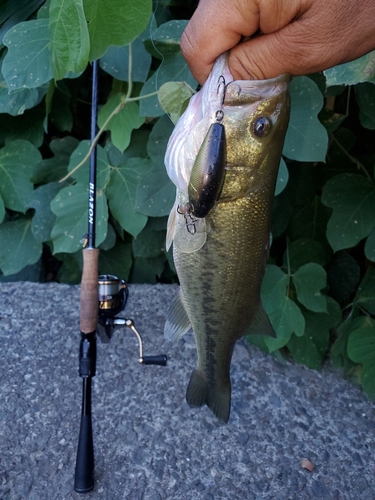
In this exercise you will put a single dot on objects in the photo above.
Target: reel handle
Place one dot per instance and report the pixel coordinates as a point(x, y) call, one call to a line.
point(160, 360)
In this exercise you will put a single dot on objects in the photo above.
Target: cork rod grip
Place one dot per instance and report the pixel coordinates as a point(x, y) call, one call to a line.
point(89, 291)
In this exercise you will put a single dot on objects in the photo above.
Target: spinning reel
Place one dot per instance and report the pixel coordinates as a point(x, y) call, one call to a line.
point(113, 295)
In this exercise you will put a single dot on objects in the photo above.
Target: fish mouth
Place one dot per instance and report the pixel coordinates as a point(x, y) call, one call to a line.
point(247, 91)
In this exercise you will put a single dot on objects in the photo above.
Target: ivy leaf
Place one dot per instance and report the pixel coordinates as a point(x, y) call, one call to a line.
point(55, 168)
point(71, 208)
point(122, 123)
point(28, 127)
point(173, 97)
point(306, 138)
point(158, 140)
point(303, 251)
point(352, 197)
point(118, 261)
point(116, 62)
point(15, 103)
point(2, 209)
point(312, 347)
point(173, 67)
point(309, 279)
point(365, 94)
point(17, 162)
point(370, 246)
point(115, 23)
point(360, 70)
point(121, 191)
point(82, 174)
point(44, 219)
point(282, 177)
point(21, 248)
point(273, 288)
point(361, 349)
point(365, 294)
point(27, 63)
point(165, 39)
point(149, 244)
point(155, 194)
point(70, 43)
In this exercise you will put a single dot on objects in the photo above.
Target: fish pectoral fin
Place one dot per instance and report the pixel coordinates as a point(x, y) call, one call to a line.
point(177, 323)
point(216, 397)
point(261, 324)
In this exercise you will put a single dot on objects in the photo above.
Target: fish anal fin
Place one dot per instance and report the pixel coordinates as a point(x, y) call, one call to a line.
point(177, 323)
point(261, 324)
point(216, 397)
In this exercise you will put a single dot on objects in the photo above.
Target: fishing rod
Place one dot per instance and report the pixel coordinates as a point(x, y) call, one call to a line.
point(102, 298)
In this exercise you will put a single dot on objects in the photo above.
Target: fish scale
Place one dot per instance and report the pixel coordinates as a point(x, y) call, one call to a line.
point(220, 282)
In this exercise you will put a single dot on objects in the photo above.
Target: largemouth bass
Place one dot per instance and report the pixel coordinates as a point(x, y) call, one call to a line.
point(220, 259)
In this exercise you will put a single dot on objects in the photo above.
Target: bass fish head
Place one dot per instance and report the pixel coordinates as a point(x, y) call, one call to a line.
point(256, 116)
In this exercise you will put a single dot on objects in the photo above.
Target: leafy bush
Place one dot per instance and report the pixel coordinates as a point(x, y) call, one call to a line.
point(319, 286)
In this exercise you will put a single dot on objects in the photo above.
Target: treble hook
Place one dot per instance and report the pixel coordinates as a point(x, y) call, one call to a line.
point(219, 115)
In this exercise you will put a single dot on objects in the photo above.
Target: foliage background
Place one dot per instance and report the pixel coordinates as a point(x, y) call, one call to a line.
point(319, 286)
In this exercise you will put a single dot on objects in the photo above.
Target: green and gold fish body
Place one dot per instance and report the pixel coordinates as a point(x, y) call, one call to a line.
point(220, 282)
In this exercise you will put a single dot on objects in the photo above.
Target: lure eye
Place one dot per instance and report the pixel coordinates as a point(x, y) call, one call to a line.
point(261, 126)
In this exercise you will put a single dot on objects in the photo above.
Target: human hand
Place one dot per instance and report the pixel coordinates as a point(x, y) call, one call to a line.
point(296, 36)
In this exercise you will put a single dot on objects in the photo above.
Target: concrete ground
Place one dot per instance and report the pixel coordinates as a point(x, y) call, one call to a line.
point(148, 443)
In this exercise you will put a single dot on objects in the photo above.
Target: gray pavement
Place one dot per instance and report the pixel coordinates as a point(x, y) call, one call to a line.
point(148, 443)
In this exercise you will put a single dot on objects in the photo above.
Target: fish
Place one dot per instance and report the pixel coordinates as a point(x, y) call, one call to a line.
point(221, 264)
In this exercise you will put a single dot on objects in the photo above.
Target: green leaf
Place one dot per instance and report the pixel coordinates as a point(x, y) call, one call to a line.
point(309, 221)
point(71, 269)
point(158, 140)
point(145, 270)
point(273, 288)
point(82, 174)
point(71, 208)
point(70, 43)
point(149, 244)
point(123, 122)
point(352, 197)
point(361, 349)
point(27, 63)
point(60, 114)
point(116, 62)
point(117, 261)
point(55, 168)
point(28, 127)
point(306, 138)
point(165, 39)
point(312, 347)
point(136, 148)
point(360, 70)
point(44, 219)
point(19, 248)
point(343, 276)
point(2, 209)
point(172, 97)
point(15, 103)
point(339, 351)
point(365, 294)
point(17, 162)
point(370, 246)
point(115, 23)
point(365, 94)
point(282, 177)
point(172, 69)
point(15, 11)
point(309, 280)
point(303, 251)
point(121, 192)
point(286, 320)
point(155, 194)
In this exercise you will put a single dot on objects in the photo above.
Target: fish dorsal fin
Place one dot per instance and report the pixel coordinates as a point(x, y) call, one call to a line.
point(261, 324)
point(177, 323)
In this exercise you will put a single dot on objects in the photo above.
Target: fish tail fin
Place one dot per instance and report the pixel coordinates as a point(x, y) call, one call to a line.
point(216, 397)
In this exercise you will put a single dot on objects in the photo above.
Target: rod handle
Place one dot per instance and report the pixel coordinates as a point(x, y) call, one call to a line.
point(84, 473)
point(160, 360)
point(89, 302)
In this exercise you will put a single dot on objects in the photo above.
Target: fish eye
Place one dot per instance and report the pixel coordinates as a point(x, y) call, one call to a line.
point(262, 126)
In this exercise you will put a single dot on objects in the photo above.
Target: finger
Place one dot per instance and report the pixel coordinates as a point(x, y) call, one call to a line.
point(209, 33)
